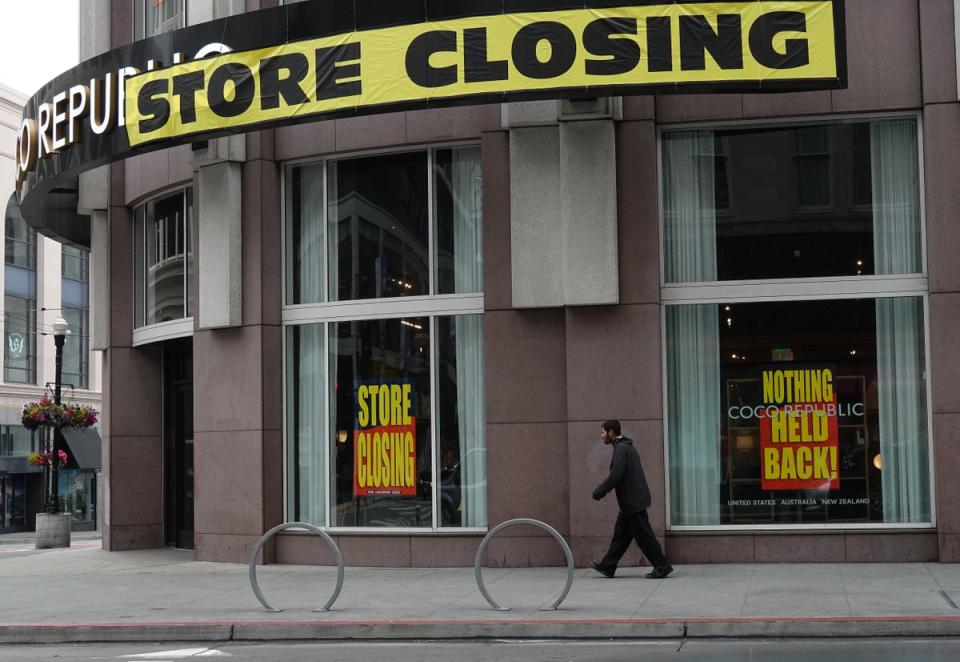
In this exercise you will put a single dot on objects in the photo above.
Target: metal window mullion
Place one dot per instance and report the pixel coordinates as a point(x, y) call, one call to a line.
point(328, 410)
point(434, 422)
point(324, 235)
point(328, 482)
point(183, 230)
point(431, 219)
point(143, 260)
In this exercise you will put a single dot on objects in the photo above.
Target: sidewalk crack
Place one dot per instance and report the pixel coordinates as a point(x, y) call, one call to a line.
point(943, 591)
point(843, 585)
point(746, 593)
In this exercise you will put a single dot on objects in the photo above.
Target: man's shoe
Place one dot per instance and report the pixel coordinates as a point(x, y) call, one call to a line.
point(603, 571)
point(659, 573)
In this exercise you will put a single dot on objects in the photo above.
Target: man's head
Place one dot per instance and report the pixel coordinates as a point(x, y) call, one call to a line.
point(609, 431)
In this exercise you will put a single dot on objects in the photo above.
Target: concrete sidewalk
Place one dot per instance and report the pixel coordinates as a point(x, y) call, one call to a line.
point(86, 594)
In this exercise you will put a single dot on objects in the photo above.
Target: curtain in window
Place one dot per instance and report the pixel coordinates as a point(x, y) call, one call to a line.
point(690, 218)
point(901, 387)
point(309, 241)
point(310, 425)
point(693, 413)
point(896, 196)
point(466, 187)
point(693, 344)
point(468, 276)
point(470, 416)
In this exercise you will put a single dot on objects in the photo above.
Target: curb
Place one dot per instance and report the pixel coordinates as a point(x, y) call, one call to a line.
point(215, 631)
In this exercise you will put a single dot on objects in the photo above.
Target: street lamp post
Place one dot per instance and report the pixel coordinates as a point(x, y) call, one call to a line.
point(60, 332)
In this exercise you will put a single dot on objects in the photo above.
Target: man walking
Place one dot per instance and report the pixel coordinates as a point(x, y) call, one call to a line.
point(633, 496)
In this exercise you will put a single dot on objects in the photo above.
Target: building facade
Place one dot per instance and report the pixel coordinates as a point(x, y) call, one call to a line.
point(406, 328)
point(41, 281)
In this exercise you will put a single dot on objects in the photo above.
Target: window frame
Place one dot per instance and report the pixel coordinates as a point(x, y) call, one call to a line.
point(140, 31)
point(81, 335)
point(32, 243)
point(171, 329)
point(666, 288)
point(795, 289)
point(329, 313)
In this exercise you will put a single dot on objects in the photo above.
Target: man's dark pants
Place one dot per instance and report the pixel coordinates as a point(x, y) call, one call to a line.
point(633, 526)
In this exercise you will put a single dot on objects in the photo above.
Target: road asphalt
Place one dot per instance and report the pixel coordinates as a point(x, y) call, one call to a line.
point(85, 594)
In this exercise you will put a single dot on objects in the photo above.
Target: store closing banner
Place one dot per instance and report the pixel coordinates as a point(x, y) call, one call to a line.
point(312, 60)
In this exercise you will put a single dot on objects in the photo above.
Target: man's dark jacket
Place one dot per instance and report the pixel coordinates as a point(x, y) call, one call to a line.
point(626, 477)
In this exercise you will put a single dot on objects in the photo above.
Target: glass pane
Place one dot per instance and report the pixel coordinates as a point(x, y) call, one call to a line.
point(838, 199)
point(163, 16)
point(77, 490)
point(802, 412)
point(380, 423)
point(458, 191)
point(20, 247)
point(165, 276)
point(20, 340)
point(75, 263)
point(17, 441)
point(306, 423)
point(813, 181)
point(76, 347)
point(304, 235)
point(378, 227)
point(462, 454)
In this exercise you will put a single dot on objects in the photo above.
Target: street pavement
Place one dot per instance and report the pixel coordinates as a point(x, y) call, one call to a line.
point(86, 594)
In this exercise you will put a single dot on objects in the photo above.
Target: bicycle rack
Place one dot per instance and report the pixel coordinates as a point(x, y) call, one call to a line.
point(534, 522)
point(295, 525)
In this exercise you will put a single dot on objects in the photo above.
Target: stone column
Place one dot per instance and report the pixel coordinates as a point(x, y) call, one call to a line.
point(238, 440)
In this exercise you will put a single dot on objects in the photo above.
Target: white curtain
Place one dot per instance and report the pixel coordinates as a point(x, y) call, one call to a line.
point(896, 196)
point(311, 423)
point(690, 217)
point(901, 387)
point(471, 419)
point(309, 245)
point(466, 187)
point(693, 413)
point(693, 343)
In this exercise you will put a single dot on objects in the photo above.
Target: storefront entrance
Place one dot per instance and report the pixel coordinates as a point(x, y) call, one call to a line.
point(178, 442)
point(12, 503)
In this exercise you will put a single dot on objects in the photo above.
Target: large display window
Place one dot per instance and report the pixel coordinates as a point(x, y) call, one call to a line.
point(795, 325)
point(384, 343)
point(798, 412)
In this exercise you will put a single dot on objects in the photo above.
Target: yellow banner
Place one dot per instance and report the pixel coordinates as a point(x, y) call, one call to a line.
point(686, 46)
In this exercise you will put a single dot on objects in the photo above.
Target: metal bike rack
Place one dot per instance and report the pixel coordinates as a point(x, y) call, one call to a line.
point(534, 522)
point(294, 525)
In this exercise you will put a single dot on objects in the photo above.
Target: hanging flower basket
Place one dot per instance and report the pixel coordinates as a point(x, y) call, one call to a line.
point(45, 459)
point(46, 413)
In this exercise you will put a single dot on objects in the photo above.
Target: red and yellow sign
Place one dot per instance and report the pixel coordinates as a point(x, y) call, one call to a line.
point(384, 441)
point(799, 432)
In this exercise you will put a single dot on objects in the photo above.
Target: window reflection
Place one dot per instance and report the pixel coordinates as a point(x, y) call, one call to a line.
point(379, 237)
point(772, 202)
point(163, 259)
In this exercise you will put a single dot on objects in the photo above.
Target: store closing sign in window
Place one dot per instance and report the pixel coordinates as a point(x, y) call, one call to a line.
point(385, 440)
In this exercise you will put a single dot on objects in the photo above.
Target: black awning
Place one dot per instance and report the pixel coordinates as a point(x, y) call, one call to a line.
point(84, 447)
